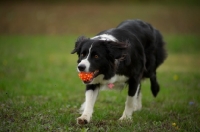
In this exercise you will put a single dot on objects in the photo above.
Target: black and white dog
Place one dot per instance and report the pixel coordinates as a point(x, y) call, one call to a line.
point(119, 56)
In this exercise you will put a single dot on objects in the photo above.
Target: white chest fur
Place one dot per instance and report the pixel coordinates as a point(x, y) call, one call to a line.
point(118, 81)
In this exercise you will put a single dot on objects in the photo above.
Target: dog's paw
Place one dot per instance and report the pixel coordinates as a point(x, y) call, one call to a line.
point(82, 121)
point(125, 117)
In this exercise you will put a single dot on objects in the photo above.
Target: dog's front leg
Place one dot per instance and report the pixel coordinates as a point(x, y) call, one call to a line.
point(90, 98)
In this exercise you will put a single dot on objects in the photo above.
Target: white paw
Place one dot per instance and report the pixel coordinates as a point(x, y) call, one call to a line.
point(83, 120)
point(125, 117)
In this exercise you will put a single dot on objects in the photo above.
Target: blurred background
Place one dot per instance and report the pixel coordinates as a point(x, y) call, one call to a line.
point(67, 17)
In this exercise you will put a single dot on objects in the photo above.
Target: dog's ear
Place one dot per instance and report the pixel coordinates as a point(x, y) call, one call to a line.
point(119, 50)
point(78, 44)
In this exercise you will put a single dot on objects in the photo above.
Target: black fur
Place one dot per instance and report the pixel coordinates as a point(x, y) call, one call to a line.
point(136, 55)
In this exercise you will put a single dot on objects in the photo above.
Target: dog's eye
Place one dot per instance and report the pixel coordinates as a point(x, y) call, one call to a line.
point(96, 56)
point(82, 55)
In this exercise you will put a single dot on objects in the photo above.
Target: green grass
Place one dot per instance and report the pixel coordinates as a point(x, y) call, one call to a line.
point(40, 89)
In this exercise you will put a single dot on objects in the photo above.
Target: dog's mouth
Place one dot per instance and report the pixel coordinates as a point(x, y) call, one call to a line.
point(89, 76)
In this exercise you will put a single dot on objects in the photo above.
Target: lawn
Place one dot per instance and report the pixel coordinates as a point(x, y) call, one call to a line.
point(40, 89)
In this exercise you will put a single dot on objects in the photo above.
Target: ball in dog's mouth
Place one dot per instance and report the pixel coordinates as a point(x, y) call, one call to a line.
point(87, 77)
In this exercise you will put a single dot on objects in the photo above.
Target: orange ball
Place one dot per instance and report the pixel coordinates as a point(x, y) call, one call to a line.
point(86, 76)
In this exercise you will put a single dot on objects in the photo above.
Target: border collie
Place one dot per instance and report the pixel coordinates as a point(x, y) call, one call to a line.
point(117, 57)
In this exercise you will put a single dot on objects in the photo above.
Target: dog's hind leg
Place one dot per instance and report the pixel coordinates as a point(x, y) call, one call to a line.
point(133, 103)
point(154, 85)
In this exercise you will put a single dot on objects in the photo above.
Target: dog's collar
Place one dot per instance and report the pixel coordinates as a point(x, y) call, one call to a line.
point(106, 37)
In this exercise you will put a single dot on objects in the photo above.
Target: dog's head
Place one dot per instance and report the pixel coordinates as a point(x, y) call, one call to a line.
point(100, 56)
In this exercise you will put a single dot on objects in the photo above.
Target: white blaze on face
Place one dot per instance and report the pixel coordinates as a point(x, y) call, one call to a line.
point(86, 61)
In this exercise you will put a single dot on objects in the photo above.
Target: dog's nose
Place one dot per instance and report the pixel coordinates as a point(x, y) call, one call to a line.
point(81, 67)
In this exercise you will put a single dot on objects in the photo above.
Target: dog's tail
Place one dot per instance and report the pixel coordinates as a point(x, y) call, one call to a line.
point(155, 88)
point(160, 56)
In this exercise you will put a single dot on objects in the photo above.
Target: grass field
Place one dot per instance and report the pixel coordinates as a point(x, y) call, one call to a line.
point(40, 89)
